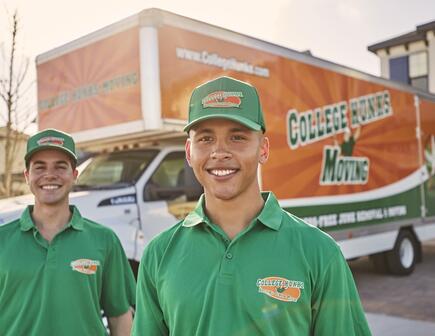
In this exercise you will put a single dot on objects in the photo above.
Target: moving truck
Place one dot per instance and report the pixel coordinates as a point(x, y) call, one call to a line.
point(351, 153)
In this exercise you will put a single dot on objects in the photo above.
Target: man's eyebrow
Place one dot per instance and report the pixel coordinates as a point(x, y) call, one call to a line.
point(240, 129)
point(62, 162)
point(43, 162)
point(203, 130)
point(232, 130)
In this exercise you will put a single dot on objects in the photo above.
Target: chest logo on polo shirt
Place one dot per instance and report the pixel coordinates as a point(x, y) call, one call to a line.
point(85, 266)
point(280, 288)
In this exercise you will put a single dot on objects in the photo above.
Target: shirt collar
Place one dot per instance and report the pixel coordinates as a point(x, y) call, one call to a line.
point(197, 215)
point(270, 215)
point(26, 221)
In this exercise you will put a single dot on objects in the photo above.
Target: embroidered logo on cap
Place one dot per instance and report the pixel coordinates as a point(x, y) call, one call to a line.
point(280, 288)
point(85, 266)
point(51, 141)
point(222, 99)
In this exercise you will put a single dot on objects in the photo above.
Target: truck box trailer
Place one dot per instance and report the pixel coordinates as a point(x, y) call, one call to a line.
point(351, 153)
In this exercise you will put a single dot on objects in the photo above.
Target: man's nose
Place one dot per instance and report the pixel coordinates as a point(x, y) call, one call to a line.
point(50, 172)
point(220, 152)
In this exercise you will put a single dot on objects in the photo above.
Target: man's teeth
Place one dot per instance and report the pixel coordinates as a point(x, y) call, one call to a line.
point(222, 172)
point(50, 187)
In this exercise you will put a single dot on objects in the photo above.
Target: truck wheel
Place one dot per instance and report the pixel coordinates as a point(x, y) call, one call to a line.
point(402, 258)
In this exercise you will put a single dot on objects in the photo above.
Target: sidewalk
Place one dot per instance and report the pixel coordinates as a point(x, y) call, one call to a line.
point(384, 325)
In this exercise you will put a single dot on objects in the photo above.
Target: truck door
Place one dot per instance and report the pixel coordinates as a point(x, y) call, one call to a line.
point(168, 196)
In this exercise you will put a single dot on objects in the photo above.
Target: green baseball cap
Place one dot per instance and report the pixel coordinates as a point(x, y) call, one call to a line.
point(51, 138)
point(227, 98)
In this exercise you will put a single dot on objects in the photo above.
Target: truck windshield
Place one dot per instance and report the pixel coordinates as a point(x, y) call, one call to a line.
point(114, 170)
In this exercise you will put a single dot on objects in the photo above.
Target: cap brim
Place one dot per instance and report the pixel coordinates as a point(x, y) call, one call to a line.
point(246, 122)
point(40, 148)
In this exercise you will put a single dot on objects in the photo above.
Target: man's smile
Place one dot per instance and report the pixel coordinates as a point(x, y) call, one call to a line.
point(50, 187)
point(222, 172)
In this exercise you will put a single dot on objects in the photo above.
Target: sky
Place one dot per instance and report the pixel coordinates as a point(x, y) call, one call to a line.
point(336, 30)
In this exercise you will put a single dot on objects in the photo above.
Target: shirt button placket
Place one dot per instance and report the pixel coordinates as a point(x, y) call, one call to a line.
point(51, 255)
point(228, 262)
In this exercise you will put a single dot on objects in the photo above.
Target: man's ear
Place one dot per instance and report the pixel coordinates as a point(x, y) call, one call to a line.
point(187, 149)
point(264, 149)
point(75, 173)
point(26, 175)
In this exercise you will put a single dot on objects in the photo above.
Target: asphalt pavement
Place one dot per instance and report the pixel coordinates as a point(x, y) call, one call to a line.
point(399, 305)
point(384, 325)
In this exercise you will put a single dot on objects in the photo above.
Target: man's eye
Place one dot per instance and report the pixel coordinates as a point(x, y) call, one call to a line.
point(239, 137)
point(205, 139)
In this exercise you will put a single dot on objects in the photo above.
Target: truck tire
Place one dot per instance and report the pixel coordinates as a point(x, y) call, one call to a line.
point(402, 258)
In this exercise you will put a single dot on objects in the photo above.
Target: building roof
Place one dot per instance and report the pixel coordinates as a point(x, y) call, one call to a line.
point(418, 35)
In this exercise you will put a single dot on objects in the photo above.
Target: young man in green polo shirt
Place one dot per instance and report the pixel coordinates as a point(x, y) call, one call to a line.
point(58, 270)
point(239, 264)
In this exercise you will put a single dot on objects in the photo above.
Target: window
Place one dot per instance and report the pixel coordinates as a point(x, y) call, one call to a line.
point(399, 69)
point(167, 182)
point(418, 65)
point(116, 169)
point(170, 172)
point(411, 69)
point(418, 70)
point(420, 82)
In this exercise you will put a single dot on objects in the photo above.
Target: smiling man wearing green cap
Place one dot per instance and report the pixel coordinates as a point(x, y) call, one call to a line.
point(58, 270)
point(239, 264)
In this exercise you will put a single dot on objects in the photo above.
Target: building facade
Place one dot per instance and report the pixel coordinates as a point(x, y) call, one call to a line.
point(18, 183)
point(409, 58)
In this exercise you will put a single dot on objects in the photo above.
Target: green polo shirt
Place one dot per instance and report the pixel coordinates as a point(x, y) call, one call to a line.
point(279, 276)
point(60, 288)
